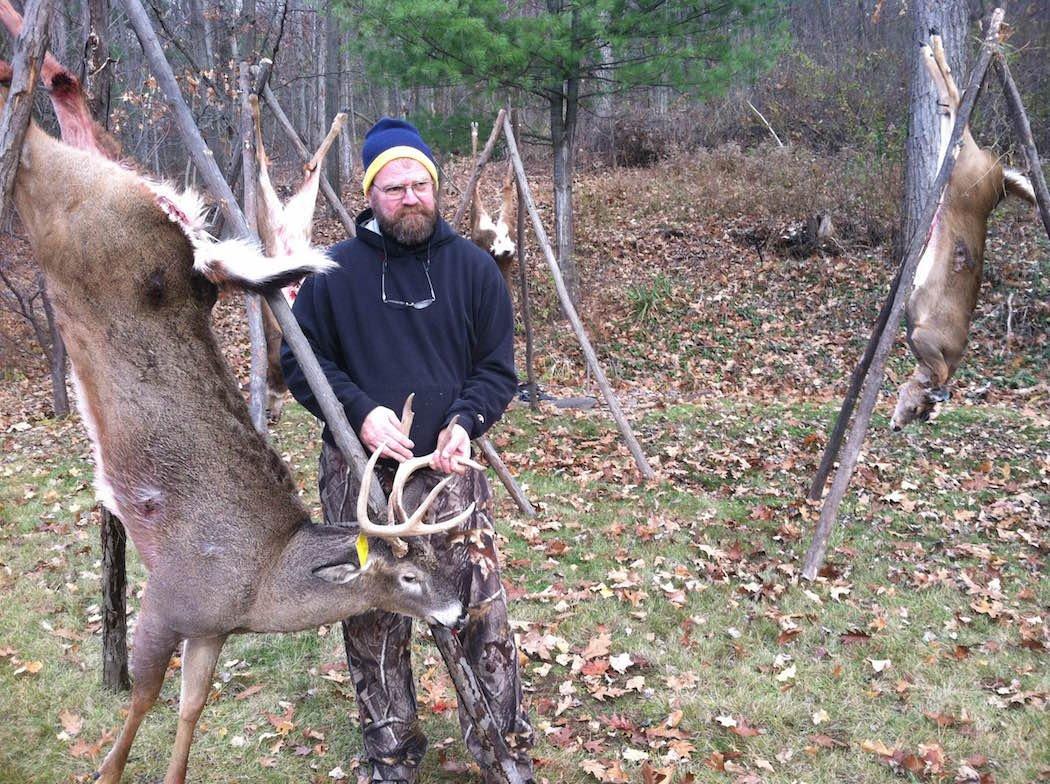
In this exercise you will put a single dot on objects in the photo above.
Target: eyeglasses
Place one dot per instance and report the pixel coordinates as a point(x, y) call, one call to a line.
point(423, 303)
point(398, 192)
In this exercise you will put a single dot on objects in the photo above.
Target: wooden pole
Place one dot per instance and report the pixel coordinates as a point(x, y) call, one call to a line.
point(479, 164)
point(463, 676)
point(496, 463)
point(523, 282)
point(818, 547)
point(334, 200)
point(15, 118)
point(252, 302)
point(570, 311)
point(831, 451)
point(1023, 129)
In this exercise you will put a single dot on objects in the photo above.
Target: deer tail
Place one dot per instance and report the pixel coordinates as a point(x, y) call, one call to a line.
point(242, 264)
point(234, 262)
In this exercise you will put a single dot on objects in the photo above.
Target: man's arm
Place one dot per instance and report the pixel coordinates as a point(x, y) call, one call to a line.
point(492, 381)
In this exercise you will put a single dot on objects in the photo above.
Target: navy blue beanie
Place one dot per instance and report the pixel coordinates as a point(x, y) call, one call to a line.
point(389, 139)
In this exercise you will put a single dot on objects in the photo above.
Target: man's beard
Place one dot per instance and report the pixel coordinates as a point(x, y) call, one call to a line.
point(411, 226)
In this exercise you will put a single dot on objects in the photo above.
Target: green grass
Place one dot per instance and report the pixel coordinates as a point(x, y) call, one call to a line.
point(694, 576)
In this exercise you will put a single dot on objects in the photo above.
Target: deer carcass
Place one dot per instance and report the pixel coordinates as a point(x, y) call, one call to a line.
point(948, 277)
point(210, 507)
point(495, 236)
point(285, 230)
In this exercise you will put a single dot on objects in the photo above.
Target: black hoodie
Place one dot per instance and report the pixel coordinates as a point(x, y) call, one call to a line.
point(456, 355)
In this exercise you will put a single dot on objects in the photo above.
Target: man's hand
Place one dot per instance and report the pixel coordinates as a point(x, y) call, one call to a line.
point(381, 425)
point(453, 445)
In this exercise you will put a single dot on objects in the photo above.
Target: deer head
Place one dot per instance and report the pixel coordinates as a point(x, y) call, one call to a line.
point(948, 276)
point(916, 400)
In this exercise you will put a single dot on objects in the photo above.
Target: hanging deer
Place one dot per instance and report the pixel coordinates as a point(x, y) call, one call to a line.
point(210, 507)
point(285, 229)
point(948, 277)
point(495, 236)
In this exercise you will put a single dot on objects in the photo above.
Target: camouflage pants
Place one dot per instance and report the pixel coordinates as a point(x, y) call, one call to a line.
point(377, 643)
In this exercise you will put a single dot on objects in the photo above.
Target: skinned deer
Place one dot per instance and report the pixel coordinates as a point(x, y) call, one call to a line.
point(495, 236)
point(285, 230)
point(210, 507)
point(948, 277)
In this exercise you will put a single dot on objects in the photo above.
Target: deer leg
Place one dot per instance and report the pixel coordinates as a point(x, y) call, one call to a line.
point(337, 125)
point(198, 665)
point(276, 389)
point(151, 652)
point(937, 44)
point(299, 210)
point(947, 95)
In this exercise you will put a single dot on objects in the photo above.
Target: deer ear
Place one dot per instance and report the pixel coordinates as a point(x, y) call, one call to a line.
point(338, 573)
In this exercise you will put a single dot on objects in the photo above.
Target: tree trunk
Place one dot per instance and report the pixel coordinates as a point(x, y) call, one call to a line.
point(563, 128)
point(57, 360)
point(114, 604)
point(98, 75)
point(950, 19)
point(249, 28)
point(348, 138)
point(318, 131)
point(332, 97)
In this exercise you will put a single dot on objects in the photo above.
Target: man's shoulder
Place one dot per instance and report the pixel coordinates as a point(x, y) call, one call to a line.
point(347, 250)
point(477, 260)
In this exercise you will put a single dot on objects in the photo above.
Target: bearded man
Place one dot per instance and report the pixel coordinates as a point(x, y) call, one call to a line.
point(415, 308)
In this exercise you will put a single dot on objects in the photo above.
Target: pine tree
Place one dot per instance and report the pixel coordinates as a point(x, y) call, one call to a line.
point(567, 53)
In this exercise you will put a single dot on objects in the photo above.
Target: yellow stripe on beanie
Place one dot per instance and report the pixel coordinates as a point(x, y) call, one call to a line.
point(403, 151)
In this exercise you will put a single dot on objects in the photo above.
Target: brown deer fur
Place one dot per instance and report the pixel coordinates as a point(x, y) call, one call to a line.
point(210, 507)
point(948, 277)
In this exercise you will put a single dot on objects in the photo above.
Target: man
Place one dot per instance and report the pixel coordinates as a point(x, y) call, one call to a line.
point(415, 308)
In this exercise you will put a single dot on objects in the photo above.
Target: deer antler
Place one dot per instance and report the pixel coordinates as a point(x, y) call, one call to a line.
point(413, 526)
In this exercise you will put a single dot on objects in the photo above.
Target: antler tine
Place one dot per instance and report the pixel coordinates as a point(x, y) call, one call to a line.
point(394, 506)
point(413, 526)
point(404, 471)
point(366, 487)
point(409, 467)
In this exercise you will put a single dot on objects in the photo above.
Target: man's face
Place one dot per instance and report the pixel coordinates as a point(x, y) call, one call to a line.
point(408, 214)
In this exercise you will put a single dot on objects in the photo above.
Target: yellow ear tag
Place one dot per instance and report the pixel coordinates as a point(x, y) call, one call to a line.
point(362, 550)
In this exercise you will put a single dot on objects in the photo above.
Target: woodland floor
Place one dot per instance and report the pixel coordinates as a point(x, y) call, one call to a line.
point(665, 631)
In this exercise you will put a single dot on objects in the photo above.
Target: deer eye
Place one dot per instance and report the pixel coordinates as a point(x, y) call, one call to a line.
point(408, 578)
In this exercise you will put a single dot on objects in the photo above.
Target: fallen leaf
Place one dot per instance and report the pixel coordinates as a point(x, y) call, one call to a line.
point(621, 662)
point(71, 722)
point(876, 747)
point(31, 667)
